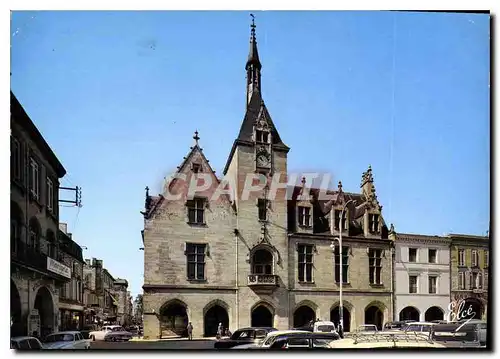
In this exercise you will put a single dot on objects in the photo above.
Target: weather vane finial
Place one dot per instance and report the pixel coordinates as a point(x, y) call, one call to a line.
point(253, 22)
point(196, 137)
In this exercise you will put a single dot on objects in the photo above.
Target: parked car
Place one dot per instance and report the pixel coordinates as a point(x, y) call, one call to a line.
point(287, 339)
point(324, 327)
point(251, 335)
point(367, 328)
point(459, 335)
point(65, 340)
point(26, 343)
point(314, 340)
point(397, 325)
point(419, 327)
point(101, 333)
point(117, 334)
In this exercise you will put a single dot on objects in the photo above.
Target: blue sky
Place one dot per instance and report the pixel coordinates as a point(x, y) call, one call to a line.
point(118, 96)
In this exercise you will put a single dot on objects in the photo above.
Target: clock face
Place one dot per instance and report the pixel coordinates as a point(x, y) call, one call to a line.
point(262, 160)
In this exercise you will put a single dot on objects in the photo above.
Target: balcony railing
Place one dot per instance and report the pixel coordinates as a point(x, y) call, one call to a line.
point(263, 282)
point(29, 257)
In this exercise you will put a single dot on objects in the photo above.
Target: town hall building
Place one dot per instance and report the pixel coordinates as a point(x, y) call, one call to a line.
point(261, 259)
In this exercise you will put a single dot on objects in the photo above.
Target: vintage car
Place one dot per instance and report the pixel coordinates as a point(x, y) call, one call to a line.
point(419, 327)
point(460, 335)
point(386, 340)
point(110, 333)
point(397, 325)
point(65, 340)
point(251, 335)
point(25, 343)
point(292, 339)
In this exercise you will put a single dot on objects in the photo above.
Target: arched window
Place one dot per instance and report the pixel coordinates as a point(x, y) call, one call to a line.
point(262, 262)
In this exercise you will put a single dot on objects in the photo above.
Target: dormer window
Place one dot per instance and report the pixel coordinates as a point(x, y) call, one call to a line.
point(196, 167)
point(304, 216)
point(373, 220)
point(261, 136)
point(336, 223)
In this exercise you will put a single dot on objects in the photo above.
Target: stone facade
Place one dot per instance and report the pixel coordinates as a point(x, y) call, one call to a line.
point(425, 262)
point(36, 268)
point(257, 261)
point(469, 272)
point(122, 298)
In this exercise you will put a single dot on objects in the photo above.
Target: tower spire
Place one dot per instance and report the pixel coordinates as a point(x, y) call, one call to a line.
point(253, 65)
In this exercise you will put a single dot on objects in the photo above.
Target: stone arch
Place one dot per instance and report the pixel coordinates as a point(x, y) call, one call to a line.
point(409, 313)
point(35, 233)
point(348, 314)
point(215, 312)
point(173, 317)
point(374, 314)
point(476, 305)
point(262, 261)
point(17, 325)
point(304, 313)
point(44, 303)
point(271, 249)
point(434, 313)
point(16, 226)
point(262, 314)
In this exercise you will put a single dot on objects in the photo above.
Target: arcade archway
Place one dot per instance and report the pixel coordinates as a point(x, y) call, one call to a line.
point(213, 316)
point(262, 316)
point(302, 316)
point(45, 307)
point(16, 328)
point(409, 313)
point(173, 318)
point(375, 316)
point(335, 318)
point(434, 313)
point(476, 308)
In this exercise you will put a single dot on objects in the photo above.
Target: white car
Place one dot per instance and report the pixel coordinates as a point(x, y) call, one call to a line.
point(25, 343)
point(66, 340)
point(100, 334)
point(324, 327)
point(111, 333)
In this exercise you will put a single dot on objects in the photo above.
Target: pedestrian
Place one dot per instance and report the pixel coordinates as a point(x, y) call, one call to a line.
point(190, 331)
point(220, 330)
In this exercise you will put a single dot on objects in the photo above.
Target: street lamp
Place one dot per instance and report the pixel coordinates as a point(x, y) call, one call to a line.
point(332, 246)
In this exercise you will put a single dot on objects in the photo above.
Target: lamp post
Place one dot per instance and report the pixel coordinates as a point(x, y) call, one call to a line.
point(339, 239)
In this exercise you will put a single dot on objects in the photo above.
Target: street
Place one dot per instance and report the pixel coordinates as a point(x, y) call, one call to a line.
point(196, 344)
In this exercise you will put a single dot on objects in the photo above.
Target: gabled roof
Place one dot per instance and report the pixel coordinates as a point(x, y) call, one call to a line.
point(256, 110)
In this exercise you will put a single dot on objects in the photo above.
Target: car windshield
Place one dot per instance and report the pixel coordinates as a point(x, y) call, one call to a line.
point(326, 328)
point(117, 329)
point(59, 338)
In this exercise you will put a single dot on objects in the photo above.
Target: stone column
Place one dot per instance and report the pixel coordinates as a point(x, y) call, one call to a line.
point(151, 326)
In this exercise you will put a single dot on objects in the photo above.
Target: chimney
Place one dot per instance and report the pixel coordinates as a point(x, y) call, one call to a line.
point(88, 262)
point(63, 227)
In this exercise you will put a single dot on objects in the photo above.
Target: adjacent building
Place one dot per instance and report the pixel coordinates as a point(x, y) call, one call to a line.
point(122, 297)
point(37, 268)
point(71, 304)
point(261, 260)
point(421, 277)
point(470, 262)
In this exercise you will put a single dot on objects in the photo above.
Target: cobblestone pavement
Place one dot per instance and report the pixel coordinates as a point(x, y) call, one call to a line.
point(197, 344)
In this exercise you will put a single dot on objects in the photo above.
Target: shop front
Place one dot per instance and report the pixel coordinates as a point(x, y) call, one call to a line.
point(72, 316)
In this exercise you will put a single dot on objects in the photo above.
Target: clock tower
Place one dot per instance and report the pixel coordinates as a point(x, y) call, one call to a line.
point(261, 233)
